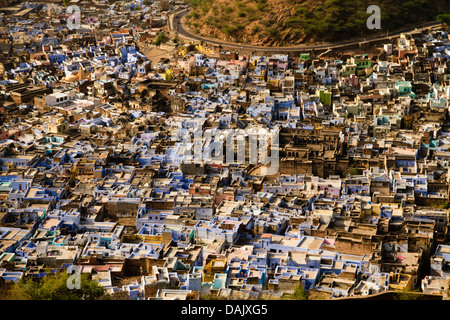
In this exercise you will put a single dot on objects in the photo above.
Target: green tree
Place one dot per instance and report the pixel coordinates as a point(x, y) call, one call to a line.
point(160, 38)
point(300, 293)
point(54, 287)
point(444, 18)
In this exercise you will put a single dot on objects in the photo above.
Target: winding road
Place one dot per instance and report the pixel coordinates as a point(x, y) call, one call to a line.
point(176, 25)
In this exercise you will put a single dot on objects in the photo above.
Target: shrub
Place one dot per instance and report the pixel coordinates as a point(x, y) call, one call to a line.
point(272, 31)
point(228, 30)
point(228, 9)
point(195, 3)
point(268, 22)
point(444, 18)
point(239, 27)
point(354, 171)
point(300, 293)
point(301, 11)
point(241, 13)
point(210, 20)
point(161, 38)
point(256, 28)
point(261, 5)
point(194, 14)
point(294, 22)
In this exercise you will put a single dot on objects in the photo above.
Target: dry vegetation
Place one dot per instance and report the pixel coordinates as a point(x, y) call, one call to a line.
point(289, 22)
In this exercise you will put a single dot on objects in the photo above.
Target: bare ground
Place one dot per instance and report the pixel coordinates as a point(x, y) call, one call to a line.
point(155, 54)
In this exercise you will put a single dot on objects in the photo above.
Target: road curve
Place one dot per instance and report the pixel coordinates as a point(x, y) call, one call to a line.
point(177, 25)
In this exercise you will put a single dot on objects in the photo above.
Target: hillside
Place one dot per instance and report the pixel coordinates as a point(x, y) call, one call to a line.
point(289, 22)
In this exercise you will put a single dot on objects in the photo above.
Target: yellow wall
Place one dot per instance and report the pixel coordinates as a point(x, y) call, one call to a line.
point(157, 239)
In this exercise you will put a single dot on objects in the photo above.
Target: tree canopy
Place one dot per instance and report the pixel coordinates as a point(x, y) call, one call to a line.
point(300, 293)
point(54, 287)
point(444, 18)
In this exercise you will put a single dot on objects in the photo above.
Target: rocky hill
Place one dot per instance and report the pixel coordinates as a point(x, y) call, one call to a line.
point(289, 22)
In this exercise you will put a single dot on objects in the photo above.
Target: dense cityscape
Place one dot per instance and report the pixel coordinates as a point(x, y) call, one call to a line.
point(115, 159)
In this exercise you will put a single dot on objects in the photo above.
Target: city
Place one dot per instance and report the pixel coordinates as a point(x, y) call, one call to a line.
point(140, 160)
